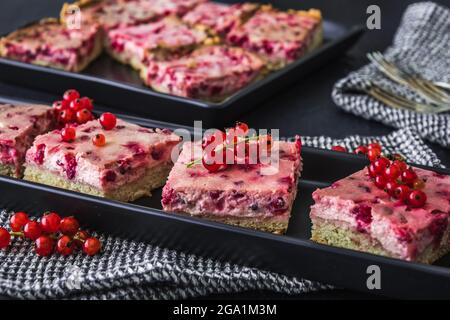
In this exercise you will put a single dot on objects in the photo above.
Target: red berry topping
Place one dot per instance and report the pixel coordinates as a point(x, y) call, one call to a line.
point(381, 164)
point(373, 154)
point(372, 170)
point(339, 149)
point(209, 163)
point(374, 146)
point(217, 138)
point(91, 246)
point(419, 184)
point(409, 176)
point(50, 222)
point(242, 127)
point(60, 105)
point(65, 246)
point(18, 221)
point(87, 103)
point(401, 165)
point(68, 134)
point(44, 246)
point(390, 187)
point(5, 238)
point(392, 172)
point(380, 182)
point(66, 116)
point(80, 237)
point(417, 198)
point(32, 230)
point(108, 121)
point(402, 192)
point(76, 105)
point(69, 226)
point(71, 95)
point(83, 116)
point(99, 140)
point(361, 150)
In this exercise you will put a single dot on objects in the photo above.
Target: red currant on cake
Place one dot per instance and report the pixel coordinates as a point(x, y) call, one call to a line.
point(18, 221)
point(44, 246)
point(91, 246)
point(373, 154)
point(242, 127)
point(50, 222)
point(390, 188)
point(381, 181)
point(66, 116)
point(69, 226)
point(76, 105)
point(402, 192)
point(361, 150)
point(5, 238)
point(32, 230)
point(209, 163)
point(99, 140)
point(392, 172)
point(108, 121)
point(417, 198)
point(65, 246)
point(381, 164)
point(374, 146)
point(409, 176)
point(83, 116)
point(68, 134)
point(339, 149)
point(60, 105)
point(87, 103)
point(71, 95)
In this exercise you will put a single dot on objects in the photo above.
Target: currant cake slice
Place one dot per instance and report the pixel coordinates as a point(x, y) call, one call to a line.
point(19, 125)
point(123, 13)
point(280, 37)
point(243, 195)
point(162, 40)
point(353, 213)
point(49, 43)
point(210, 73)
point(219, 18)
point(133, 161)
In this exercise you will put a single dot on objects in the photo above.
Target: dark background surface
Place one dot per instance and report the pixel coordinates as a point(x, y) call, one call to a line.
point(305, 108)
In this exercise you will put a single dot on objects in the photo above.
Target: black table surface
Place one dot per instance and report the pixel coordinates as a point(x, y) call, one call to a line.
point(304, 108)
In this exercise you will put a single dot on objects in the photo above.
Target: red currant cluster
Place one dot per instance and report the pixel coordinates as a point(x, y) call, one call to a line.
point(232, 144)
point(50, 229)
point(73, 109)
point(393, 175)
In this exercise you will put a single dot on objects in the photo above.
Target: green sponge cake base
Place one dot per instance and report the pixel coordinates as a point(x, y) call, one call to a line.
point(152, 179)
point(338, 235)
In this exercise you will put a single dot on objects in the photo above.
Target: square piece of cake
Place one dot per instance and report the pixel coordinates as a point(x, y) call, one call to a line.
point(162, 40)
point(133, 161)
point(210, 73)
point(50, 44)
point(279, 37)
point(19, 125)
point(353, 213)
point(219, 18)
point(241, 195)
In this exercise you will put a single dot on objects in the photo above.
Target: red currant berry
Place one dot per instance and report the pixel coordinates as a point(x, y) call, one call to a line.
point(60, 105)
point(5, 238)
point(50, 222)
point(390, 187)
point(209, 163)
point(69, 226)
point(218, 137)
point(417, 198)
point(32, 230)
point(409, 176)
point(66, 116)
point(402, 192)
point(392, 172)
point(76, 105)
point(381, 164)
point(91, 246)
point(83, 116)
point(372, 170)
point(68, 134)
point(419, 184)
point(80, 237)
point(108, 121)
point(71, 95)
point(242, 127)
point(397, 157)
point(65, 246)
point(87, 103)
point(373, 154)
point(339, 149)
point(373, 146)
point(18, 221)
point(44, 246)
point(380, 182)
point(401, 165)
point(361, 150)
point(99, 140)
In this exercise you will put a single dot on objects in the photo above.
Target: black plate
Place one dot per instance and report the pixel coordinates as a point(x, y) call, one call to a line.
point(292, 254)
point(105, 75)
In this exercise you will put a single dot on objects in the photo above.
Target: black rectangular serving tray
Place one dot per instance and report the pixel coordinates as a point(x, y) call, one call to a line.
point(291, 254)
point(106, 76)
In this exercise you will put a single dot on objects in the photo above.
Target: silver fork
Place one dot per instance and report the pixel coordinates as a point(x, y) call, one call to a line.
point(433, 92)
point(399, 102)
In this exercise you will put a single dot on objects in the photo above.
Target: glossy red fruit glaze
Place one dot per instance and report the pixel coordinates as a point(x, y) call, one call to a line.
point(381, 164)
point(390, 187)
point(66, 116)
point(87, 103)
point(5, 238)
point(417, 199)
point(409, 176)
point(65, 246)
point(60, 105)
point(373, 146)
point(380, 182)
point(242, 127)
point(373, 154)
point(91, 246)
point(361, 150)
point(44, 246)
point(80, 237)
point(402, 192)
point(32, 230)
point(401, 165)
point(372, 170)
point(83, 116)
point(68, 134)
point(18, 221)
point(69, 226)
point(50, 222)
point(99, 140)
point(108, 121)
point(71, 95)
point(392, 172)
point(209, 163)
point(76, 105)
point(339, 149)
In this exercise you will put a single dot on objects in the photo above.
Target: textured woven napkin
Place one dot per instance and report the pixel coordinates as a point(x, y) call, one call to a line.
point(132, 270)
point(421, 46)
